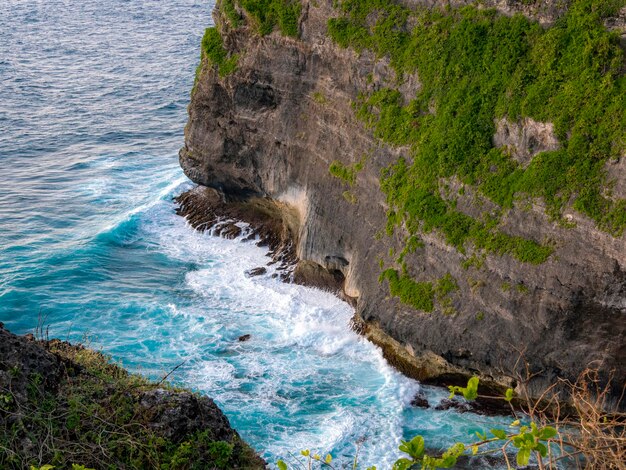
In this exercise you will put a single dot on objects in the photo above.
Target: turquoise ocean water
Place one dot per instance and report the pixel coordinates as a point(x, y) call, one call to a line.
point(93, 97)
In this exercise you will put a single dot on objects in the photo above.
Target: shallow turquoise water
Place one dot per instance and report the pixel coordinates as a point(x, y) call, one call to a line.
point(93, 103)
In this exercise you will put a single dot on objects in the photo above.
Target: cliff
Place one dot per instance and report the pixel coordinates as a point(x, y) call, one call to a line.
point(459, 172)
point(65, 405)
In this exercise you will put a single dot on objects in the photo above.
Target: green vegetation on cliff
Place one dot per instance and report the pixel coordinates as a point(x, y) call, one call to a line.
point(346, 173)
point(268, 14)
point(421, 295)
point(212, 48)
point(229, 9)
point(476, 67)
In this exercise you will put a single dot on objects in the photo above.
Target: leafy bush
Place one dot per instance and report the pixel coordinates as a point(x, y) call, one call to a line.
point(594, 437)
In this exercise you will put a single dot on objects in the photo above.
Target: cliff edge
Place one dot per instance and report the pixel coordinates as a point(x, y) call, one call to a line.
point(63, 405)
point(459, 169)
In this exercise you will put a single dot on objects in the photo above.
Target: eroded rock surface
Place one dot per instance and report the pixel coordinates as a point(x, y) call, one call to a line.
point(523, 140)
point(272, 130)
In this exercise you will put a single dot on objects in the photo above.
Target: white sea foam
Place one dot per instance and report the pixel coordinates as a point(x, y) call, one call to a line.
point(167, 191)
point(303, 379)
point(312, 381)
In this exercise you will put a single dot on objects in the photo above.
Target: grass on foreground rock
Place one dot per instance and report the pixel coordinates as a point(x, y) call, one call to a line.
point(64, 405)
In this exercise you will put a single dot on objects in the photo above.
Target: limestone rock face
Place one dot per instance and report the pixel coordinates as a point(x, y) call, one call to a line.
point(273, 128)
point(523, 140)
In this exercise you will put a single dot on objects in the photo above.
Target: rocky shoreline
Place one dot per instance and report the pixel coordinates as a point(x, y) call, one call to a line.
point(266, 225)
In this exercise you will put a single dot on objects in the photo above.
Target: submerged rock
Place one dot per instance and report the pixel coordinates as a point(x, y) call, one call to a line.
point(460, 406)
point(420, 401)
point(256, 272)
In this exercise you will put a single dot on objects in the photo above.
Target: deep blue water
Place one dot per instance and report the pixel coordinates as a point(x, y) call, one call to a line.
point(93, 97)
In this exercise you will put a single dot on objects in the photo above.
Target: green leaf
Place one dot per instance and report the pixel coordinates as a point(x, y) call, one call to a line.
point(548, 432)
point(449, 457)
point(499, 433)
point(508, 395)
point(518, 441)
point(414, 447)
point(543, 450)
point(281, 465)
point(447, 460)
point(523, 456)
point(471, 391)
point(480, 436)
point(328, 459)
point(529, 439)
point(305, 452)
point(402, 464)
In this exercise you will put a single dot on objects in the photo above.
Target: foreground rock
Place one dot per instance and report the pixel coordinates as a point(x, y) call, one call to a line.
point(264, 138)
point(62, 404)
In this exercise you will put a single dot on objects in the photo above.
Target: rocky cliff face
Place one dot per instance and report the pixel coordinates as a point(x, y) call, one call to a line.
point(274, 127)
